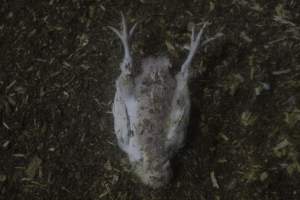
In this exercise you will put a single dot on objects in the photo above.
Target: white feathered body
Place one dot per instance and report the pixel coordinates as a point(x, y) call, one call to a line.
point(151, 113)
point(151, 109)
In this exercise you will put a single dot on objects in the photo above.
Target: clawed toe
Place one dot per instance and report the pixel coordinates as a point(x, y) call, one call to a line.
point(195, 40)
point(124, 34)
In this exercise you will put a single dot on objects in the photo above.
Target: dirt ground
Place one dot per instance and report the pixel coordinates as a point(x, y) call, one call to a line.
point(58, 64)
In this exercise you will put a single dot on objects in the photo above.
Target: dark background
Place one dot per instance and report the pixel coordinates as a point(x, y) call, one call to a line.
point(58, 64)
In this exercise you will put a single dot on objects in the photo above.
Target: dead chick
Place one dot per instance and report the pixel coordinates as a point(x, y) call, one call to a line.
point(151, 109)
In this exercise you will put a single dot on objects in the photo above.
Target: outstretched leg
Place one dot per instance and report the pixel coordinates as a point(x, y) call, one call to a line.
point(195, 43)
point(125, 36)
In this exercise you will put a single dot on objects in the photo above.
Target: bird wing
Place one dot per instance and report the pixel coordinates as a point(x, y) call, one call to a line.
point(121, 122)
point(178, 120)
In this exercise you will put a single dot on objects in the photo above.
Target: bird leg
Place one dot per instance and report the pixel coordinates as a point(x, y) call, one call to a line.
point(125, 36)
point(195, 43)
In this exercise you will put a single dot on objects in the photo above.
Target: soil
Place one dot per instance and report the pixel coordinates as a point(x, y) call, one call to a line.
point(58, 65)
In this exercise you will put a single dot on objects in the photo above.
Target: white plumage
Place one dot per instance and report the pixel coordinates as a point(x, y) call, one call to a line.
point(151, 111)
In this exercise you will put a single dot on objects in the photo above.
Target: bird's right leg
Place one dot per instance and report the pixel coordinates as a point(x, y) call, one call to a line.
point(125, 36)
